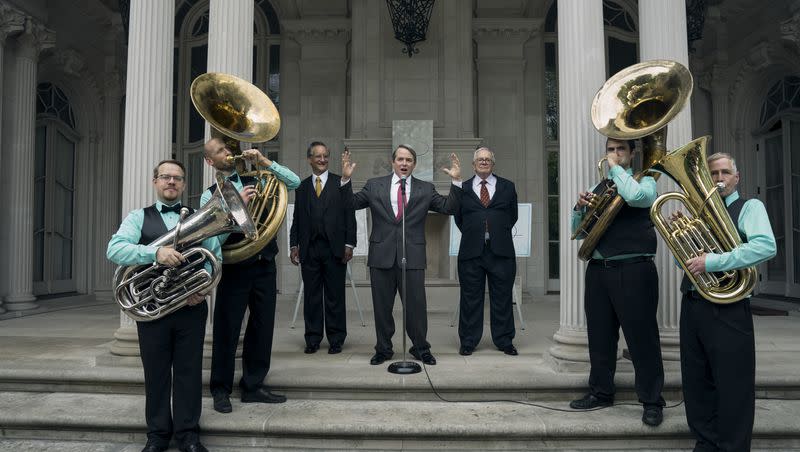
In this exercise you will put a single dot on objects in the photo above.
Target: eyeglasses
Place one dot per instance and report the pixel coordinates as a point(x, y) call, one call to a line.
point(167, 178)
point(483, 160)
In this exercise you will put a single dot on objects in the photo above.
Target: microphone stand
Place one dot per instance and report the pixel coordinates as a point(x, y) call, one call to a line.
point(404, 367)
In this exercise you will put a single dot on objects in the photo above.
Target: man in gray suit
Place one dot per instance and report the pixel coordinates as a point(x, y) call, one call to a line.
point(384, 197)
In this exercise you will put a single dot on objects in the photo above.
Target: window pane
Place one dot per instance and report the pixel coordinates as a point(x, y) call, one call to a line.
point(194, 162)
point(274, 82)
point(552, 173)
point(552, 220)
point(551, 91)
point(775, 210)
point(553, 261)
point(621, 54)
point(773, 154)
point(776, 267)
point(199, 63)
point(38, 256)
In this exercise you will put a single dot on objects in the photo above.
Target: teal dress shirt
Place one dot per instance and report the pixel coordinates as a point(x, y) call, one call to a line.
point(754, 224)
point(641, 194)
point(124, 248)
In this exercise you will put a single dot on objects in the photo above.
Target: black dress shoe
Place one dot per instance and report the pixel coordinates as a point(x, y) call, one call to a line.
point(653, 415)
point(153, 448)
point(425, 356)
point(465, 350)
point(194, 447)
point(588, 402)
point(311, 348)
point(379, 358)
point(510, 350)
point(222, 402)
point(262, 395)
point(334, 349)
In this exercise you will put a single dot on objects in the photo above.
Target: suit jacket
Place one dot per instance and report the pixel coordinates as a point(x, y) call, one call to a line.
point(339, 219)
point(501, 214)
point(385, 240)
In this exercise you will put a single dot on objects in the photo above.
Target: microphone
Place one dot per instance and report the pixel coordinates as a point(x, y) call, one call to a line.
point(403, 185)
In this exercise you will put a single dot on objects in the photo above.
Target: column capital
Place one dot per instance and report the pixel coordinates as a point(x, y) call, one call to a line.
point(790, 29)
point(12, 21)
point(505, 30)
point(35, 39)
point(317, 31)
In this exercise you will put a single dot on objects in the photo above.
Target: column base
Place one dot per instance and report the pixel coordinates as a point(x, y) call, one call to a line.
point(570, 353)
point(126, 341)
point(21, 302)
point(670, 345)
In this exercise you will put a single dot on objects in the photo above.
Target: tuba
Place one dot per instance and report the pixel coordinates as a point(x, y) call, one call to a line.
point(149, 292)
point(636, 102)
point(708, 230)
point(238, 111)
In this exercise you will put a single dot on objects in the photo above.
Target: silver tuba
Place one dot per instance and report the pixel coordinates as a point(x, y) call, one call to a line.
point(149, 292)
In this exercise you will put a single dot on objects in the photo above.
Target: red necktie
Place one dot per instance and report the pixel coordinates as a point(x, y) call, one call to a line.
point(401, 200)
point(484, 194)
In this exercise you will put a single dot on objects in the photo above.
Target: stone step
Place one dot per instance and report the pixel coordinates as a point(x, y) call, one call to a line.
point(377, 425)
point(487, 375)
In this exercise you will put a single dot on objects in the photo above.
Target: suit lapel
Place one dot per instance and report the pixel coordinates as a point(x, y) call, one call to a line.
point(385, 195)
point(497, 190)
point(416, 193)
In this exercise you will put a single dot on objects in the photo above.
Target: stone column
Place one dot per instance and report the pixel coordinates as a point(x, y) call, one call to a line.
point(11, 23)
point(581, 71)
point(662, 25)
point(230, 47)
point(19, 121)
point(148, 119)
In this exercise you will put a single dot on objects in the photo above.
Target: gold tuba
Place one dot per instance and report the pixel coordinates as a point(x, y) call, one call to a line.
point(708, 230)
point(149, 292)
point(636, 102)
point(238, 111)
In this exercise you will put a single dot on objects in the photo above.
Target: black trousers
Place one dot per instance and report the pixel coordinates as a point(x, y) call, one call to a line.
point(244, 286)
point(718, 368)
point(472, 276)
point(324, 294)
point(172, 356)
point(624, 295)
point(385, 285)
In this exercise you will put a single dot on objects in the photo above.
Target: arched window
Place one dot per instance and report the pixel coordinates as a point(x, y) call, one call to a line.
point(779, 146)
point(54, 192)
point(191, 60)
point(622, 50)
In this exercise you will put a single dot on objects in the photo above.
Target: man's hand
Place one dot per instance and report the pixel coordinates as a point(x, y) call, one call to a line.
point(613, 159)
point(455, 168)
point(248, 192)
point(348, 254)
point(295, 255)
point(584, 198)
point(697, 265)
point(254, 156)
point(195, 298)
point(169, 257)
point(347, 166)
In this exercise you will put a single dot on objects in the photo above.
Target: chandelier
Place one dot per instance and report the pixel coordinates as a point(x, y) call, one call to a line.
point(410, 20)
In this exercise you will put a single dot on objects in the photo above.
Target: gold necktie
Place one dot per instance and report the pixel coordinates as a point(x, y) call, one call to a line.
point(319, 186)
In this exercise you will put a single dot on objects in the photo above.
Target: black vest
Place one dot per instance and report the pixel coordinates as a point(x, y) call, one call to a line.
point(733, 210)
point(631, 232)
point(317, 210)
point(270, 250)
point(153, 225)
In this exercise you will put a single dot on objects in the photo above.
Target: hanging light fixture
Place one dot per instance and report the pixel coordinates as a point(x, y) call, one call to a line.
point(410, 20)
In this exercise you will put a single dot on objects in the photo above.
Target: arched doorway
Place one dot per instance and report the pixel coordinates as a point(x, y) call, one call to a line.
point(778, 143)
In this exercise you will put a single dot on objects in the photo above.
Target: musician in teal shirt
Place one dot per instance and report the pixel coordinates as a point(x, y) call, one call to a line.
point(171, 347)
point(622, 291)
point(251, 284)
point(718, 364)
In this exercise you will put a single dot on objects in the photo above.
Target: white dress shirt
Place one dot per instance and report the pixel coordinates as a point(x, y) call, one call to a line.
point(491, 185)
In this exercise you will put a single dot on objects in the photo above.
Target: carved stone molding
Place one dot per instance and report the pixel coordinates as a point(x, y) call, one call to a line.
point(35, 39)
point(12, 21)
point(506, 30)
point(70, 61)
point(790, 29)
point(317, 31)
point(761, 56)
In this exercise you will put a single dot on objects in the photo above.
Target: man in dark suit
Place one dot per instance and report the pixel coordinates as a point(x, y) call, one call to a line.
point(384, 197)
point(487, 214)
point(322, 238)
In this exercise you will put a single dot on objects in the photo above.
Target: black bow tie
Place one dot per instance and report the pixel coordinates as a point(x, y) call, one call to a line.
point(176, 208)
point(234, 177)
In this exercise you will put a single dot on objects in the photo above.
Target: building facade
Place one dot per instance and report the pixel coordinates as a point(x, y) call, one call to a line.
point(95, 92)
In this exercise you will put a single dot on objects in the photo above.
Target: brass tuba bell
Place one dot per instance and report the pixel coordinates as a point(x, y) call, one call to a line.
point(237, 111)
point(636, 102)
